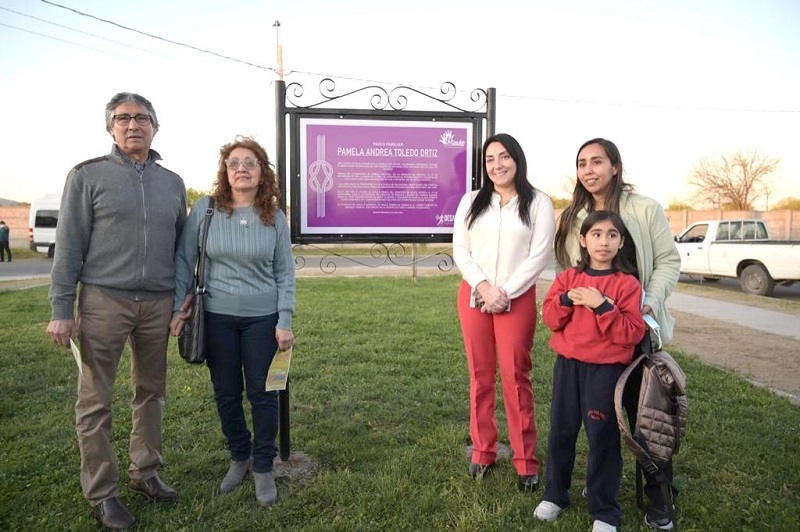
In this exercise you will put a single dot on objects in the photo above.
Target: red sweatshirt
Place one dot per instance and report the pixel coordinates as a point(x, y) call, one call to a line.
point(605, 335)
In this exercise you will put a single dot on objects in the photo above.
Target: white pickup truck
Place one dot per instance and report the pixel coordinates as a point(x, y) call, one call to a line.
point(739, 249)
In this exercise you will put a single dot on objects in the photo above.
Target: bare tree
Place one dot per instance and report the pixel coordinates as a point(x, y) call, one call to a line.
point(567, 184)
point(734, 180)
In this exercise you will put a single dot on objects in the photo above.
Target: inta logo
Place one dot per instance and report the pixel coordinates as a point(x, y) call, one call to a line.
point(449, 139)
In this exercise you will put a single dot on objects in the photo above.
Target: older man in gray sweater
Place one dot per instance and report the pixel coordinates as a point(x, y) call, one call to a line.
point(120, 220)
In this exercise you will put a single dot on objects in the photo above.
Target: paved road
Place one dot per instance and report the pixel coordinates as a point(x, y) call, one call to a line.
point(25, 269)
point(789, 293)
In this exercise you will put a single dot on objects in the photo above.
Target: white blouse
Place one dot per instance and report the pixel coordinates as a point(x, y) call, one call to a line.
point(500, 248)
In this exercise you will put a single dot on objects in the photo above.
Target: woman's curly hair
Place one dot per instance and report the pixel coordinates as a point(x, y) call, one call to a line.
point(268, 194)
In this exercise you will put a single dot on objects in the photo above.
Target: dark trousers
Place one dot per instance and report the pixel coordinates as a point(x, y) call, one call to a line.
point(240, 351)
point(584, 393)
point(5, 249)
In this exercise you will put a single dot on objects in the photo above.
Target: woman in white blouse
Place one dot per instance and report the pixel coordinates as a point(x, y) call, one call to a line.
point(502, 239)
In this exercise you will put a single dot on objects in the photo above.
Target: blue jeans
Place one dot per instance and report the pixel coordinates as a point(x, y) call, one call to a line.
point(236, 343)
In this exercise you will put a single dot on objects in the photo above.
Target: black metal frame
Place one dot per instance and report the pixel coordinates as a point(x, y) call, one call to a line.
point(384, 104)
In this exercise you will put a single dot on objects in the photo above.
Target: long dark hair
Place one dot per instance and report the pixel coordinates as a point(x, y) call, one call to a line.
point(582, 198)
point(525, 191)
point(620, 261)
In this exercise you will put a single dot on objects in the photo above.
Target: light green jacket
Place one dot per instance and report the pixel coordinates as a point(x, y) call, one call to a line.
point(657, 257)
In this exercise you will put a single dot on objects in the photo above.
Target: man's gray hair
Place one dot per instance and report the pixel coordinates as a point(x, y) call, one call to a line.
point(123, 97)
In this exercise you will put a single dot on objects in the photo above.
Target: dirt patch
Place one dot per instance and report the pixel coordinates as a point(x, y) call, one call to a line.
point(765, 359)
point(299, 465)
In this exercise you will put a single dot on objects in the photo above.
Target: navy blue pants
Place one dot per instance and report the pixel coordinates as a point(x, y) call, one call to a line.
point(584, 393)
point(239, 353)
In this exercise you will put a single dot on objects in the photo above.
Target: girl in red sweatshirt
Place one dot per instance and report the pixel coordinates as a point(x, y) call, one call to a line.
point(594, 312)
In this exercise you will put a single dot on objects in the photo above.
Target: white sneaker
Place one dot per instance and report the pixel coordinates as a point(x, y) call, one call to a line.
point(547, 511)
point(602, 526)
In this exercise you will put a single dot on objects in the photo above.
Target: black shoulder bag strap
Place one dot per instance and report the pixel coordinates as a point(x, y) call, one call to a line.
point(201, 260)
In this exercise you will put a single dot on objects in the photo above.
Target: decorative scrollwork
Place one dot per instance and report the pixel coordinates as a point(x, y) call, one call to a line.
point(379, 255)
point(380, 99)
point(398, 251)
point(294, 90)
point(327, 88)
point(478, 96)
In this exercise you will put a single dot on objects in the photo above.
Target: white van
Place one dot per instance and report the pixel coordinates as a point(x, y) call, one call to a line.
point(42, 221)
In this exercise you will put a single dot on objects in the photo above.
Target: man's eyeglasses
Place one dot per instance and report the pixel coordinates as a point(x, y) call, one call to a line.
point(233, 164)
point(124, 120)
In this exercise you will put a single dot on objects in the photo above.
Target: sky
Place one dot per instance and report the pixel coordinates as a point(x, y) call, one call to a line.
point(669, 82)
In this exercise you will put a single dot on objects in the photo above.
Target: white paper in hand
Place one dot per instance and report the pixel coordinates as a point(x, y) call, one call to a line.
point(76, 353)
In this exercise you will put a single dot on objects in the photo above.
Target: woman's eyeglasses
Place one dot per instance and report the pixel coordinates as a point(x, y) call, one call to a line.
point(233, 164)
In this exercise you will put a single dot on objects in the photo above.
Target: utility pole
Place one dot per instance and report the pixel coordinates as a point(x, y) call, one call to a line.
point(284, 428)
point(277, 25)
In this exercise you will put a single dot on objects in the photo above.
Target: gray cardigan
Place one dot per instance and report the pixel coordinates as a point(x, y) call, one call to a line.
point(118, 228)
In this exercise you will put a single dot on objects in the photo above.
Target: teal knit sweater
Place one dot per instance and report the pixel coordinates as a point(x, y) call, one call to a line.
point(249, 269)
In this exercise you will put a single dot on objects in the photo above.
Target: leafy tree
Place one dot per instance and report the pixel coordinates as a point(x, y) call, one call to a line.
point(678, 205)
point(788, 204)
point(733, 180)
point(561, 203)
point(193, 195)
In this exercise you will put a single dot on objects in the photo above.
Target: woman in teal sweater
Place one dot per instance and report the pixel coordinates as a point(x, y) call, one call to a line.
point(249, 304)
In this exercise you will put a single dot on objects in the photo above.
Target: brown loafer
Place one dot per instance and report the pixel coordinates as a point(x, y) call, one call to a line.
point(113, 515)
point(154, 489)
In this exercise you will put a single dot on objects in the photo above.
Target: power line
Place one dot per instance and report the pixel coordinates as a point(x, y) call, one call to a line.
point(78, 31)
point(521, 97)
point(158, 37)
point(651, 106)
point(62, 40)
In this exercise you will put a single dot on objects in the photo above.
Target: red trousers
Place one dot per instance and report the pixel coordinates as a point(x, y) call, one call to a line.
point(505, 339)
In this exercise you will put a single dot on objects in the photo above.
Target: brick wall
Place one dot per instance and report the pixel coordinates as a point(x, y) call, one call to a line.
point(16, 218)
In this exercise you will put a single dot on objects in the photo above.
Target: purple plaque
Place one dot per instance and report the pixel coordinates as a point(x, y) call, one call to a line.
point(365, 177)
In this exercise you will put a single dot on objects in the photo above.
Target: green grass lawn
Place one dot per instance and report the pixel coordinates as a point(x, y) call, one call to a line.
point(379, 401)
point(25, 253)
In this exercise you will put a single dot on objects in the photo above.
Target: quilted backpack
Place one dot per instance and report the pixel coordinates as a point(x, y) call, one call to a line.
point(660, 420)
